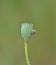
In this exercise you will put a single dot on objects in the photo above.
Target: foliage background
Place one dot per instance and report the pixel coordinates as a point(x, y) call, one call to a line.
point(42, 46)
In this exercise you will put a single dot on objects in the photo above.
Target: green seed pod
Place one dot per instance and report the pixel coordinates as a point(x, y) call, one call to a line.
point(26, 30)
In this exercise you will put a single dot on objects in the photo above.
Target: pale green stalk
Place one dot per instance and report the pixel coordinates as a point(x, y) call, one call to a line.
point(26, 53)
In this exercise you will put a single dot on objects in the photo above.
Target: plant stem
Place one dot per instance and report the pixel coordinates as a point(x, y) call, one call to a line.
point(26, 53)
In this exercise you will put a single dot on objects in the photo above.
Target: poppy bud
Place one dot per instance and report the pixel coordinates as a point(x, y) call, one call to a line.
point(27, 30)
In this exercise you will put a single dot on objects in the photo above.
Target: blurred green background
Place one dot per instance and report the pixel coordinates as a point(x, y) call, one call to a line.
point(42, 46)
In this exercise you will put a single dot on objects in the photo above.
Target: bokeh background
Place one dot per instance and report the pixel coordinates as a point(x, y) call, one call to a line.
point(42, 46)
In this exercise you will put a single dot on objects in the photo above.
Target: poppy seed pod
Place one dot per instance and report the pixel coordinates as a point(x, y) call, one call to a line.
point(26, 30)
